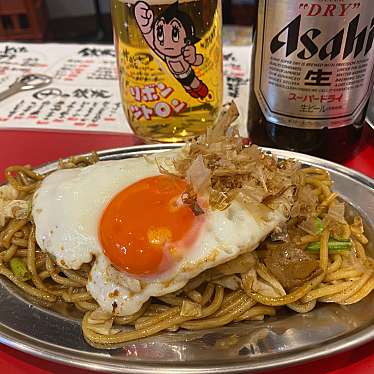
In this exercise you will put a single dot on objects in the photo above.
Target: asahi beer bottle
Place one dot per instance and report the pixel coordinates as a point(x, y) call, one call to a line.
point(313, 75)
point(169, 56)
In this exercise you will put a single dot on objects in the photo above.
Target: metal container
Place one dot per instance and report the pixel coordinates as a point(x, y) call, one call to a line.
point(280, 341)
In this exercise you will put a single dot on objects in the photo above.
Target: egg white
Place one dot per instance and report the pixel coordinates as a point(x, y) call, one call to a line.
point(67, 209)
point(69, 203)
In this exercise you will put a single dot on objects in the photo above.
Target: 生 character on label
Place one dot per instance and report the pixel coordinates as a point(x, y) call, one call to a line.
point(172, 37)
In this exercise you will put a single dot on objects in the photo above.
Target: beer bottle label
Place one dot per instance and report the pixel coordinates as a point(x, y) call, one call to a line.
point(314, 61)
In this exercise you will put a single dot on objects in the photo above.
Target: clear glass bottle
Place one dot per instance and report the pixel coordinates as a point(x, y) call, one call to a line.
point(169, 57)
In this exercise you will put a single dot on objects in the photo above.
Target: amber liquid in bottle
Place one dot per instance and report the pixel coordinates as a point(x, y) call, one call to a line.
point(333, 143)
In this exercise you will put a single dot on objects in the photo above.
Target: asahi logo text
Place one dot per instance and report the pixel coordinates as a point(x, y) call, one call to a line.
point(309, 43)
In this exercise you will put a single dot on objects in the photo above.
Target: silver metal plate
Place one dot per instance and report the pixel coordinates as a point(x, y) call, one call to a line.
point(289, 338)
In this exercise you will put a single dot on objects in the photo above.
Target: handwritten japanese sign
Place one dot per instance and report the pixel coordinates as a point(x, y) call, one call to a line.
point(84, 94)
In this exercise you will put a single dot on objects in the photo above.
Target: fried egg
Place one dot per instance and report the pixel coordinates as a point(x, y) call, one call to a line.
point(131, 222)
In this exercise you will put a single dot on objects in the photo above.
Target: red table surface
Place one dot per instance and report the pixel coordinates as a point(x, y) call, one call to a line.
point(35, 148)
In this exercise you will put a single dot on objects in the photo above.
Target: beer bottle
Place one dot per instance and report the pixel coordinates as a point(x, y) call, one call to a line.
point(312, 75)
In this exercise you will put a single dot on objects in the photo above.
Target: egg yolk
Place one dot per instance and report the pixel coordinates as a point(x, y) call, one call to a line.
point(141, 225)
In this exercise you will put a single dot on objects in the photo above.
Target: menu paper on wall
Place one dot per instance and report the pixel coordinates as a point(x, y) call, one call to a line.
point(84, 94)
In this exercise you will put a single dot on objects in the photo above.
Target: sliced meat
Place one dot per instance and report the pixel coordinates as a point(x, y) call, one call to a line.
point(291, 265)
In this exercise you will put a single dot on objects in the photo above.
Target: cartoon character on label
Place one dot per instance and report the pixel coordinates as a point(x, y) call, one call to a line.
point(172, 37)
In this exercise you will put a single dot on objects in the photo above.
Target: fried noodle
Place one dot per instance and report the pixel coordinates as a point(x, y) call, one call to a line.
point(345, 277)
